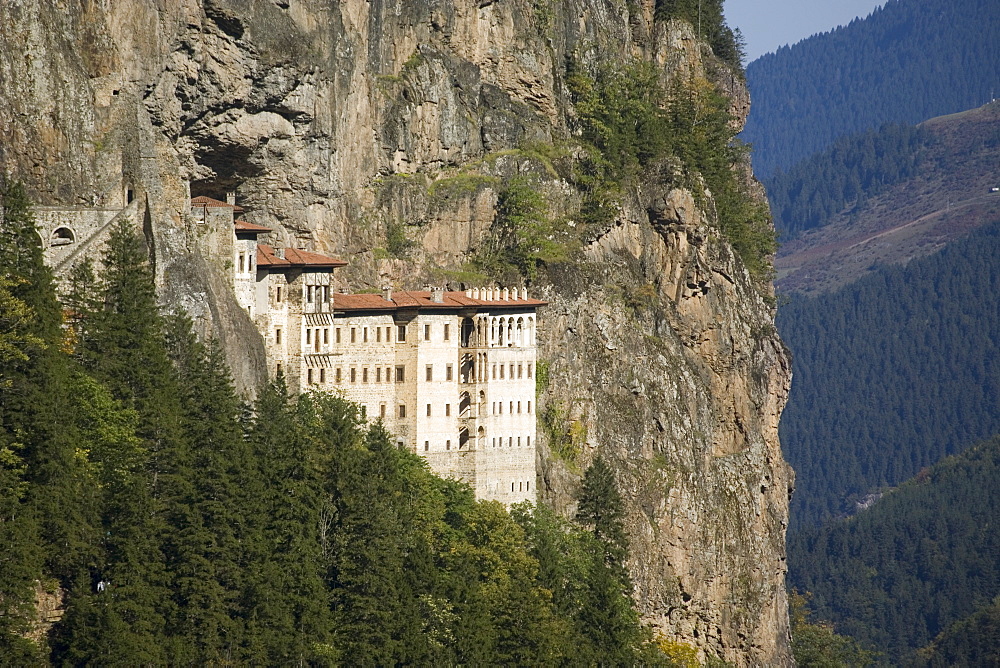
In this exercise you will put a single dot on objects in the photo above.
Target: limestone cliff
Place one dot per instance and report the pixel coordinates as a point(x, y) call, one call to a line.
point(380, 131)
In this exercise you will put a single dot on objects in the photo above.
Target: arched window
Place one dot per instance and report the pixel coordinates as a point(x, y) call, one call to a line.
point(464, 402)
point(520, 332)
point(468, 329)
point(62, 236)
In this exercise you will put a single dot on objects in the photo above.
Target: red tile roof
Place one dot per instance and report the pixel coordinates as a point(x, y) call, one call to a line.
point(421, 299)
point(294, 258)
point(211, 203)
point(243, 226)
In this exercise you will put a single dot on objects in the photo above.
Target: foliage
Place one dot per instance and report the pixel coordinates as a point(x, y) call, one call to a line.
point(920, 559)
point(892, 373)
point(709, 22)
point(566, 437)
point(522, 236)
point(816, 645)
point(896, 66)
point(397, 243)
point(634, 125)
point(973, 641)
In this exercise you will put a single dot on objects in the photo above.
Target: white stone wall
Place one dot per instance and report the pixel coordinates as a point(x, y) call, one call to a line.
point(245, 273)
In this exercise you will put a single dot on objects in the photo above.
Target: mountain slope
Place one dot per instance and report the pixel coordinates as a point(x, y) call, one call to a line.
point(938, 189)
point(908, 61)
point(892, 373)
point(924, 556)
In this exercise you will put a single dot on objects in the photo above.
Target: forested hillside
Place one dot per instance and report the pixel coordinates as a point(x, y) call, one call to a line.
point(924, 557)
point(175, 525)
point(892, 373)
point(847, 174)
point(907, 62)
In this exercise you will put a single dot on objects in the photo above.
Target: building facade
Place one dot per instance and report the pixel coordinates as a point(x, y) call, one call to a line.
point(450, 374)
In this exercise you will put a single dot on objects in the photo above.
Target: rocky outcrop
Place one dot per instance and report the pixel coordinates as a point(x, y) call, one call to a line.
point(381, 131)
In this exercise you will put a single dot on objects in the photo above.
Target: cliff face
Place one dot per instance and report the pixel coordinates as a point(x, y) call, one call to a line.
point(380, 131)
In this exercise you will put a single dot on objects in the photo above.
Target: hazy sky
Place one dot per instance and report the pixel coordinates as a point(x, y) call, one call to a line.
point(769, 24)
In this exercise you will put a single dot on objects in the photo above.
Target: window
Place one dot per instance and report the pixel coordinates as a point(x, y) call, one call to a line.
point(519, 441)
point(354, 335)
point(388, 334)
point(381, 410)
point(277, 296)
point(364, 375)
point(317, 340)
point(242, 261)
point(378, 335)
point(402, 410)
point(326, 335)
point(378, 374)
point(529, 369)
point(309, 294)
point(447, 332)
point(338, 335)
point(512, 371)
point(309, 336)
point(447, 372)
point(277, 335)
point(512, 487)
point(400, 333)
point(277, 369)
point(447, 409)
point(430, 372)
point(527, 486)
point(400, 374)
point(512, 408)
point(428, 410)
point(447, 445)
point(427, 446)
point(309, 376)
point(364, 335)
point(502, 367)
point(322, 375)
point(427, 332)
point(519, 407)
point(501, 407)
point(529, 441)
point(510, 441)
point(519, 488)
point(494, 372)
point(337, 375)
point(518, 370)
point(354, 374)
point(494, 408)
point(529, 406)
point(388, 375)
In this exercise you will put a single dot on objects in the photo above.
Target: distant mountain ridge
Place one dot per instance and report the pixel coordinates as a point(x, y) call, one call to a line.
point(926, 187)
point(908, 61)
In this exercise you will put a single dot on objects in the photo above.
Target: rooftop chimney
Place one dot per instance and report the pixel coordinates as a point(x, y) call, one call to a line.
point(387, 293)
point(506, 294)
point(437, 295)
point(279, 252)
point(231, 199)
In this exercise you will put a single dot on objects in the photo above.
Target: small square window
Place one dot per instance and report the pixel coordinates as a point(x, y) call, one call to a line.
point(447, 332)
point(388, 334)
point(430, 372)
point(388, 374)
point(378, 335)
point(447, 409)
point(427, 446)
point(337, 375)
point(338, 335)
point(322, 375)
point(364, 335)
point(447, 445)
point(400, 374)
point(502, 367)
point(518, 370)
point(277, 336)
point(378, 374)
point(402, 410)
point(354, 374)
point(448, 372)
point(277, 296)
point(400, 333)
point(354, 335)
point(529, 369)
point(364, 375)
point(427, 332)
point(381, 410)
point(309, 376)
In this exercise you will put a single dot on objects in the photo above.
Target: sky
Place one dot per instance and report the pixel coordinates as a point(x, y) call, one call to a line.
point(769, 24)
